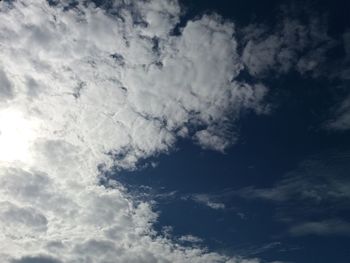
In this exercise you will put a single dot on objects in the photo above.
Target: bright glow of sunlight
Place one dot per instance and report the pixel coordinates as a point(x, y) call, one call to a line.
point(16, 136)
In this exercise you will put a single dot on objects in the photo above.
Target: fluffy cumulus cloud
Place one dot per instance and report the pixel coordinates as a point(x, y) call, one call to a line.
point(82, 90)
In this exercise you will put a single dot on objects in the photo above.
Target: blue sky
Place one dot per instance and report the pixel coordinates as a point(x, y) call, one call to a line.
point(174, 131)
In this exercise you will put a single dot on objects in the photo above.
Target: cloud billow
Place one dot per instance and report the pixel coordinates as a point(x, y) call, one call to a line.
point(98, 85)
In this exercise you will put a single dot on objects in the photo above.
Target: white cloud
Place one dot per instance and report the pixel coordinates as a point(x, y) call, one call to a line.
point(211, 141)
point(191, 239)
point(206, 200)
point(102, 86)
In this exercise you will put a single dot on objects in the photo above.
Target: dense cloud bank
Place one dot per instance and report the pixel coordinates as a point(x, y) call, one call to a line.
point(91, 89)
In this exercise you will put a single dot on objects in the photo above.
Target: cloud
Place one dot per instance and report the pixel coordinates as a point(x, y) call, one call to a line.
point(344, 69)
point(260, 249)
point(207, 200)
point(341, 121)
point(6, 91)
point(318, 188)
point(291, 45)
point(21, 217)
point(107, 89)
point(300, 42)
point(190, 239)
point(40, 259)
point(219, 136)
point(322, 228)
point(313, 181)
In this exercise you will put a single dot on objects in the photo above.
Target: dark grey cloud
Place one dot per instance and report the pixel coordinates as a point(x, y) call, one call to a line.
point(6, 87)
point(36, 259)
point(28, 216)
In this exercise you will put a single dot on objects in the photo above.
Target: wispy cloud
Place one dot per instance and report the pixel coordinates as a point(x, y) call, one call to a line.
point(190, 239)
point(341, 119)
point(207, 200)
point(318, 188)
point(322, 228)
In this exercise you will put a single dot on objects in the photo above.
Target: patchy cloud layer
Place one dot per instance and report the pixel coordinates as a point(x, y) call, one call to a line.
point(300, 42)
point(291, 44)
point(96, 89)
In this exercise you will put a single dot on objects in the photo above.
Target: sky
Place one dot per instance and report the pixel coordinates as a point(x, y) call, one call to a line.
point(174, 131)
